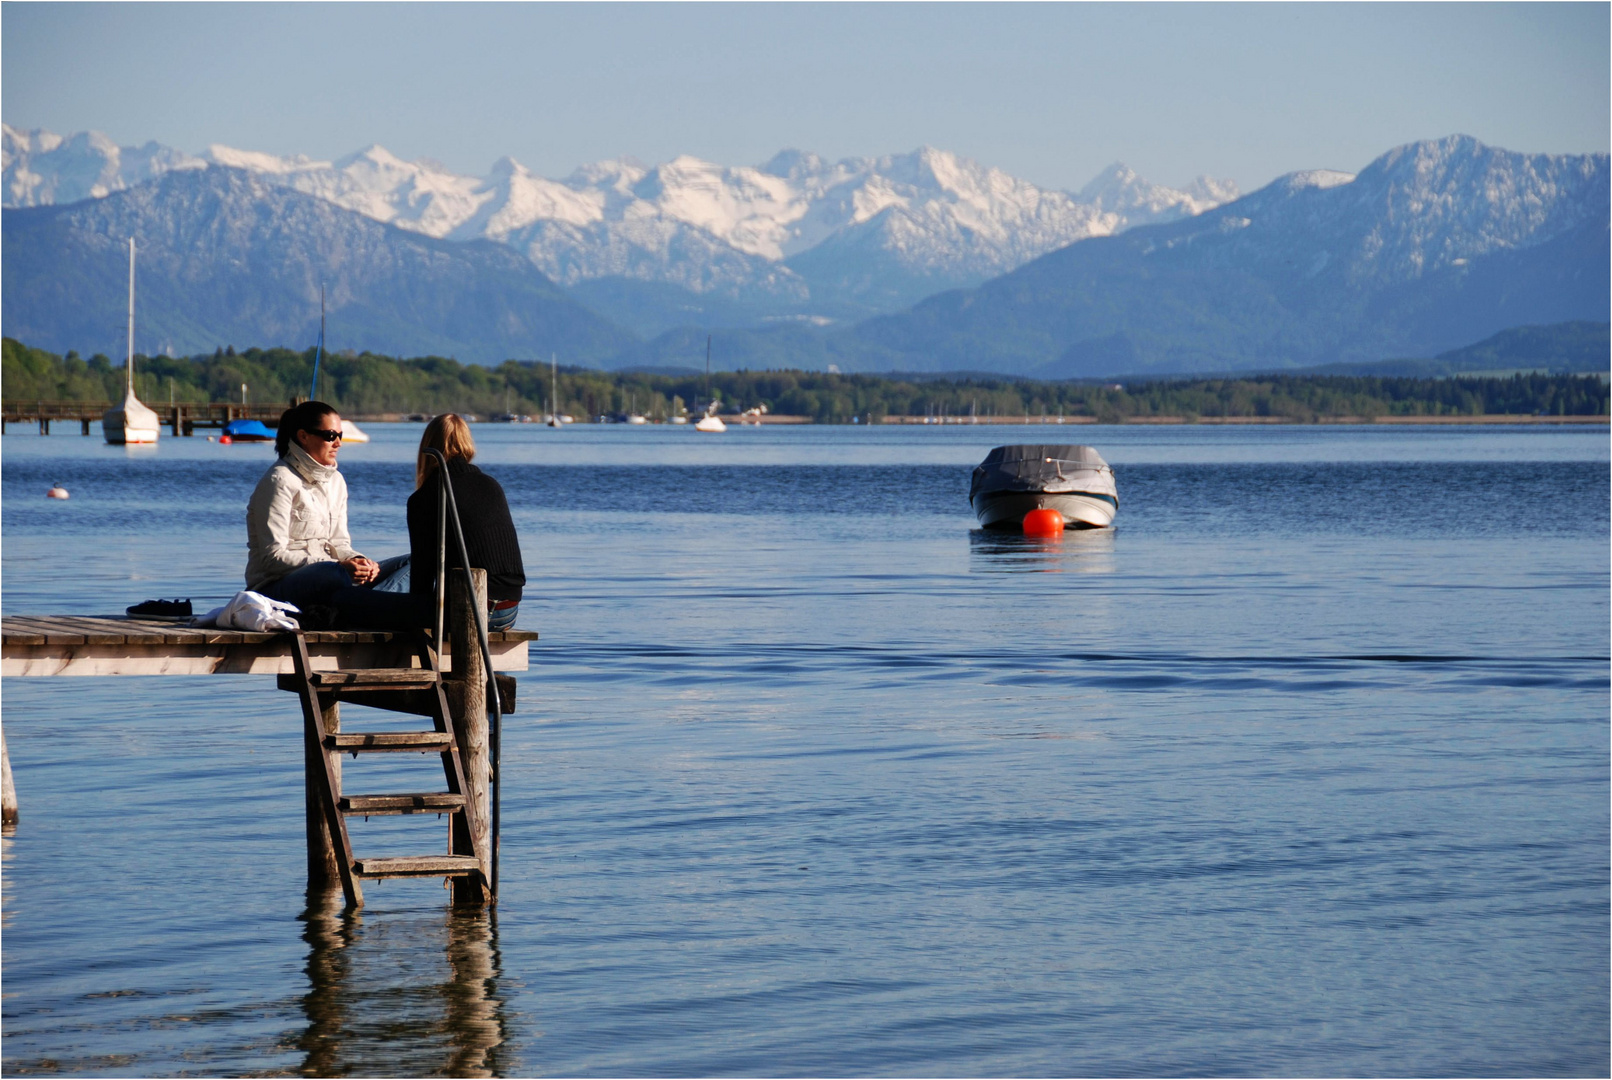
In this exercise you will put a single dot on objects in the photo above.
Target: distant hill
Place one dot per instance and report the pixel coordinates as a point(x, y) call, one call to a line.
point(225, 258)
point(1432, 245)
point(1571, 348)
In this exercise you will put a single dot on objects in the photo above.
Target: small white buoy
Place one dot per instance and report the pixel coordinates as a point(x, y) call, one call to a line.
point(56, 492)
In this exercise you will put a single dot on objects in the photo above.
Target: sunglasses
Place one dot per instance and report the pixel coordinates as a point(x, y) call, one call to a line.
point(324, 433)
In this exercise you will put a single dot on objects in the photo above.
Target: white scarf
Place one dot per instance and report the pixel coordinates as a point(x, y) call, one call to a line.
point(306, 467)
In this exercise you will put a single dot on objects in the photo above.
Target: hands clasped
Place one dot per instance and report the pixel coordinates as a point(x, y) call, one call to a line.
point(363, 571)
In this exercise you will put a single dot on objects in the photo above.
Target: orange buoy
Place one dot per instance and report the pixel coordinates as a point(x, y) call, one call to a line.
point(1043, 522)
point(56, 492)
point(224, 439)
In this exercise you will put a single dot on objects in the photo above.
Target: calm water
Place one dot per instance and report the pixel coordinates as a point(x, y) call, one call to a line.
point(1303, 769)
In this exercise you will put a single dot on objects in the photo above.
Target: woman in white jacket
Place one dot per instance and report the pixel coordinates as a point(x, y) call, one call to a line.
point(298, 547)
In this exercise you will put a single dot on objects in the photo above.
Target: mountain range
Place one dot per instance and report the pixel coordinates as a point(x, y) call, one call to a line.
point(799, 237)
point(224, 258)
point(919, 262)
point(1432, 246)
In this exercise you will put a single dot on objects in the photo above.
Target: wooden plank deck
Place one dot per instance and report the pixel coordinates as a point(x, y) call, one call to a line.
point(120, 645)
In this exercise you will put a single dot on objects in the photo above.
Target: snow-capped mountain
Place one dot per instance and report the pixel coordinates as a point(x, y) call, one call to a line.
point(226, 258)
point(873, 232)
point(42, 169)
point(1433, 245)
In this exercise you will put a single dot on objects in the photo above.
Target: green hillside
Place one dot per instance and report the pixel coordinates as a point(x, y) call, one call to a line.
point(367, 383)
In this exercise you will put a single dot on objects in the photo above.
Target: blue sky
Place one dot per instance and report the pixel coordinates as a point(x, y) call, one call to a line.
point(1049, 92)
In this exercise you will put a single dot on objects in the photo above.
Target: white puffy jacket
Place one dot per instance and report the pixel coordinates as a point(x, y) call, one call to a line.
point(297, 516)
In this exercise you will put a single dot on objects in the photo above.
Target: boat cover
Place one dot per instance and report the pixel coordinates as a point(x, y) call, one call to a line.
point(248, 429)
point(1042, 467)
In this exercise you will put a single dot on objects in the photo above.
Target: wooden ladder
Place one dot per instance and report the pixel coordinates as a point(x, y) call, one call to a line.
point(418, 691)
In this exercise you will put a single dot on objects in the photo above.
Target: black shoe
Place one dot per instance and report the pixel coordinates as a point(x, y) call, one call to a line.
point(170, 609)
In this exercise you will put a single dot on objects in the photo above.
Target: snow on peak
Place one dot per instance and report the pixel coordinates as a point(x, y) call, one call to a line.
point(253, 161)
point(1317, 178)
point(43, 168)
point(1119, 190)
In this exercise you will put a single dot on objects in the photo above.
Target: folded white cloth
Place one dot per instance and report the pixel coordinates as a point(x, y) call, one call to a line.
point(248, 610)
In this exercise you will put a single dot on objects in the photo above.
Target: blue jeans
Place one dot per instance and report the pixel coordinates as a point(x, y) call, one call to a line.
point(357, 606)
point(502, 619)
point(395, 577)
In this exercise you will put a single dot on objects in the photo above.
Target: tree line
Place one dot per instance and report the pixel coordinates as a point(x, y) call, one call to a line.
point(369, 383)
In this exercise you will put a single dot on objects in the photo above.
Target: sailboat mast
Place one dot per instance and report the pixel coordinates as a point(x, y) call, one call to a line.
point(128, 366)
point(318, 349)
point(708, 370)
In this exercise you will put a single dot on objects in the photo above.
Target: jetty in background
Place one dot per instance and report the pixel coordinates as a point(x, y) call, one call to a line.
point(181, 418)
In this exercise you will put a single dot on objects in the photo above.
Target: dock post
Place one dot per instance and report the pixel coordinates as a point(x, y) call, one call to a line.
point(323, 870)
point(8, 790)
point(86, 422)
point(177, 423)
point(466, 686)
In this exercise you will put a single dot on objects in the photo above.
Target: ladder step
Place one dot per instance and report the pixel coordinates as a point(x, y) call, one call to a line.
point(379, 678)
point(379, 741)
point(432, 802)
point(417, 866)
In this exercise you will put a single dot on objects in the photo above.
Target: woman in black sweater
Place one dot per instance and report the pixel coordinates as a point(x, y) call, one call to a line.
point(490, 536)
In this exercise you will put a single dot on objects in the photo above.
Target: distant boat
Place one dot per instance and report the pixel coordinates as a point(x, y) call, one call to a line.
point(1073, 480)
point(710, 422)
point(248, 431)
point(554, 419)
point(350, 432)
point(130, 422)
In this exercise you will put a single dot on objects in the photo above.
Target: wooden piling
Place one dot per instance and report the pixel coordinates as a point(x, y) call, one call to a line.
point(466, 686)
point(324, 872)
point(8, 791)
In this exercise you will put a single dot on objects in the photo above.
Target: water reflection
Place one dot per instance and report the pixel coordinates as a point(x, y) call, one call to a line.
point(1082, 551)
point(402, 995)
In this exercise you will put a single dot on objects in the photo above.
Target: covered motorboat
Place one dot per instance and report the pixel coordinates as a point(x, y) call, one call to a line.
point(1073, 480)
point(248, 431)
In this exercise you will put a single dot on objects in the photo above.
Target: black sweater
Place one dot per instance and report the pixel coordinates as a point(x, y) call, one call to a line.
point(489, 534)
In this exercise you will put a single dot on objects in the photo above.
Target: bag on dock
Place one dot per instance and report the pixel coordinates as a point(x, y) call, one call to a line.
point(252, 611)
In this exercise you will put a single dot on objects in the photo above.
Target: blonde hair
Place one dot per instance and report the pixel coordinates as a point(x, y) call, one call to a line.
point(449, 434)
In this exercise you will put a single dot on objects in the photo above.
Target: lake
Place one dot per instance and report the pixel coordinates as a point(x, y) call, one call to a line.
point(1301, 769)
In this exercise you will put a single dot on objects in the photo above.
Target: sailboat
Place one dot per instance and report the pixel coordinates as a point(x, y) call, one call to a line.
point(130, 422)
point(554, 391)
point(710, 422)
point(350, 432)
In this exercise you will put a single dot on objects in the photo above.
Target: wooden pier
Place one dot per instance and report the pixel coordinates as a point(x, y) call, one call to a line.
point(397, 672)
point(182, 418)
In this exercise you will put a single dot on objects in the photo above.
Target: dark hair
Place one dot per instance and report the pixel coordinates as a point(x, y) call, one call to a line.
point(304, 417)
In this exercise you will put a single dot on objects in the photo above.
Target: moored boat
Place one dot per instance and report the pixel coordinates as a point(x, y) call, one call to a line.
point(248, 431)
point(130, 422)
point(1073, 480)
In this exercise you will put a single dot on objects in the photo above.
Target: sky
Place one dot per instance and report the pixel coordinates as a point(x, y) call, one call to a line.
point(1051, 93)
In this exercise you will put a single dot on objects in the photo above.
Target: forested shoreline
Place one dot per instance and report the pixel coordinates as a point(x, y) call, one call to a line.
point(368, 383)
